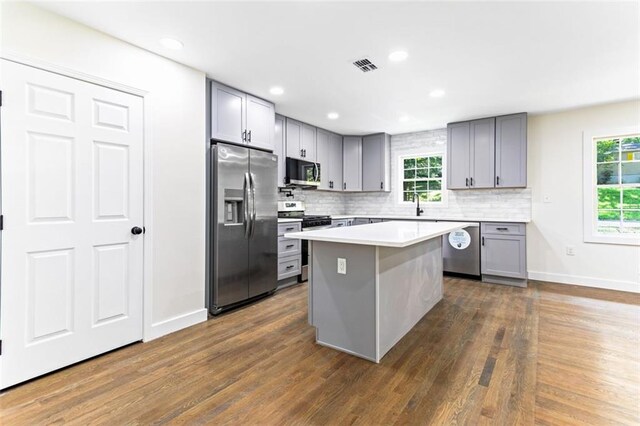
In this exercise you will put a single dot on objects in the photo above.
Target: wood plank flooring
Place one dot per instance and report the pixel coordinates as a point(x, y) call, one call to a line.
point(486, 354)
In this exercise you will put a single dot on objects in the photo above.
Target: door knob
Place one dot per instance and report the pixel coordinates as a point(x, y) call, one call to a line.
point(136, 230)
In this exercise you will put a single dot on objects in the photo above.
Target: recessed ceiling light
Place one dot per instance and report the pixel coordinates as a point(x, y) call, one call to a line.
point(404, 118)
point(332, 115)
point(276, 90)
point(171, 43)
point(438, 93)
point(398, 55)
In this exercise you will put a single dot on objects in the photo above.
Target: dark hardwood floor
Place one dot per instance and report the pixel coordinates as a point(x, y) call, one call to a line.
point(486, 354)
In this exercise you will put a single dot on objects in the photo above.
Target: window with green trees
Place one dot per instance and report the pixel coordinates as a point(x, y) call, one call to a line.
point(617, 184)
point(422, 177)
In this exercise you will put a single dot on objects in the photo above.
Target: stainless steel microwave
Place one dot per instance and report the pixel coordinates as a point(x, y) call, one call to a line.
point(302, 173)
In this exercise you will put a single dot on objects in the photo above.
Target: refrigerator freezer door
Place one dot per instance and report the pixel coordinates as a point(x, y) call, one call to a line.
point(263, 241)
point(230, 246)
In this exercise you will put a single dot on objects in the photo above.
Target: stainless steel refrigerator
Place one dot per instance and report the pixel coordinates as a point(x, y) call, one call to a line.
point(243, 226)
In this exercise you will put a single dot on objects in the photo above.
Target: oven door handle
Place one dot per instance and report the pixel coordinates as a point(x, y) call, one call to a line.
point(315, 172)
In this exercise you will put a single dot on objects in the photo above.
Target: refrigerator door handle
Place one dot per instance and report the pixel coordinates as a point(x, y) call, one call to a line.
point(252, 179)
point(245, 200)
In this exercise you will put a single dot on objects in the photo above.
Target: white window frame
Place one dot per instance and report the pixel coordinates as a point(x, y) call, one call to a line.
point(400, 177)
point(590, 208)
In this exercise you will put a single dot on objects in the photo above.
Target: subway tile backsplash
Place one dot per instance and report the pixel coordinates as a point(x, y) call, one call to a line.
point(507, 204)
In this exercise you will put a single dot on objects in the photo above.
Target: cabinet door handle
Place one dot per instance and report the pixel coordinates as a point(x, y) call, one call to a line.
point(471, 181)
point(290, 229)
point(290, 266)
point(301, 153)
point(502, 229)
point(290, 245)
point(482, 240)
point(244, 136)
point(381, 185)
point(249, 136)
point(466, 182)
point(305, 153)
point(344, 185)
point(497, 180)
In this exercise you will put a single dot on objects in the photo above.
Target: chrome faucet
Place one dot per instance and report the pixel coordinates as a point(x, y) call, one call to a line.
point(416, 198)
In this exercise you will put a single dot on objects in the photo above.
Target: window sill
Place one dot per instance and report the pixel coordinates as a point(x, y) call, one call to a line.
point(625, 240)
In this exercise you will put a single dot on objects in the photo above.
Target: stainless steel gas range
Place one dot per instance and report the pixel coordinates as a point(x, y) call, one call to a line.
point(296, 210)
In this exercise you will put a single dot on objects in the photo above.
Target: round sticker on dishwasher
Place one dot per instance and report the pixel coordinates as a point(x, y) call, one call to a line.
point(459, 240)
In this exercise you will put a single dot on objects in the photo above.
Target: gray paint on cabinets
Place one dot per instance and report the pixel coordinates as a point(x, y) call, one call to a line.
point(459, 153)
point(352, 171)
point(482, 157)
point(227, 118)
point(375, 162)
point(508, 203)
point(279, 148)
point(511, 151)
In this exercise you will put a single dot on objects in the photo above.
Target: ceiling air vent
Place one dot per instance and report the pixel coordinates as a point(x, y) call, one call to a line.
point(365, 65)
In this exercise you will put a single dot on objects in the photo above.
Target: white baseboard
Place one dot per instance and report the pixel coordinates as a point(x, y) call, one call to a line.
point(586, 281)
point(176, 323)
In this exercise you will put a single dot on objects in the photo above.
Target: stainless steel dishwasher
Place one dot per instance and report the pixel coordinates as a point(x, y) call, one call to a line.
point(461, 251)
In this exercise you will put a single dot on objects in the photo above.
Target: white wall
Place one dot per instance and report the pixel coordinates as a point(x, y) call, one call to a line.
point(555, 170)
point(177, 109)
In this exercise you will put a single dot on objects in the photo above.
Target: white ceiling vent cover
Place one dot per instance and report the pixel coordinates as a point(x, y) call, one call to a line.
point(365, 65)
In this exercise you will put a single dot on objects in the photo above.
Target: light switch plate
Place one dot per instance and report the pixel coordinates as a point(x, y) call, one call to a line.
point(342, 266)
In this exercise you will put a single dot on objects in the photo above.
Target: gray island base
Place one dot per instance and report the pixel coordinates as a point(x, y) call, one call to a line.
point(393, 278)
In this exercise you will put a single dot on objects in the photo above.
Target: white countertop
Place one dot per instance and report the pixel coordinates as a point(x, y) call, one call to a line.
point(288, 220)
point(422, 218)
point(386, 234)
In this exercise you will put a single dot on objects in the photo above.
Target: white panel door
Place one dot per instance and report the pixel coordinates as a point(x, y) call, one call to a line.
point(71, 283)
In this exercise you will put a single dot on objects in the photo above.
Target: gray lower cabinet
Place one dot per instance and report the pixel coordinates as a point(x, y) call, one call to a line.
point(375, 162)
point(289, 253)
point(503, 253)
point(279, 148)
point(352, 163)
point(240, 118)
point(329, 155)
point(511, 151)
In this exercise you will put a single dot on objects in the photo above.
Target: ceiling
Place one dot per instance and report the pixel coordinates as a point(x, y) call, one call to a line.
point(489, 58)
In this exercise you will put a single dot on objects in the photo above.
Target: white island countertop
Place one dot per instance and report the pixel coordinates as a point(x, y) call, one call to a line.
point(425, 218)
point(384, 234)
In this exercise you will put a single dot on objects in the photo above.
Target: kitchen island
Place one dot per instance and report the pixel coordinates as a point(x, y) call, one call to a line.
point(370, 284)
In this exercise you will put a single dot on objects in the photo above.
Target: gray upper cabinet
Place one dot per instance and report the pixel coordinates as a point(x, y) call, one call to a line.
point(482, 157)
point(487, 153)
point(324, 158)
point(279, 148)
point(511, 151)
point(293, 137)
point(352, 163)
point(375, 162)
point(260, 123)
point(329, 155)
point(335, 162)
point(239, 118)
point(227, 113)
point(308, 142)
point(301, 140)
point(458, 155)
